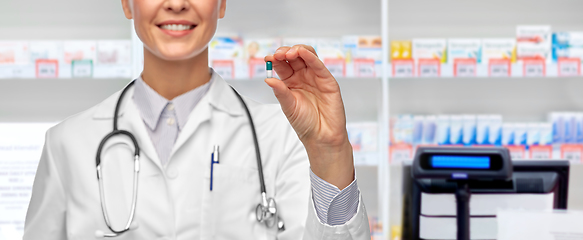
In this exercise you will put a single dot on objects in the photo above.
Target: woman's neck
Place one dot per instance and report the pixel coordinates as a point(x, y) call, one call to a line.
point(173, 78)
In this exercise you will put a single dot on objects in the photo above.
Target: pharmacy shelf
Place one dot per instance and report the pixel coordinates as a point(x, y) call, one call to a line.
point(516, 99)
point(517, 70)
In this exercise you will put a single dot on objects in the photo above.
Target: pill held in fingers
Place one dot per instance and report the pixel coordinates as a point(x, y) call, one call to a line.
point(269, 68)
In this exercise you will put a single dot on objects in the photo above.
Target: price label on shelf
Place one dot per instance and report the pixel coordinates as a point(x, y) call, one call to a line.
point(403, 68)
point(46, 68)
point(364, 67)
point(400, 152)
point(499, 68)
point(429, 68)
point(569, 67)
point(336, 66)
point(225, 68)
point(516, 151)
point(82, 68)
point(541, 152)
point(18, 72)
point(572, 152)
point(257, 68)
point(534, 68)
point(465, 67)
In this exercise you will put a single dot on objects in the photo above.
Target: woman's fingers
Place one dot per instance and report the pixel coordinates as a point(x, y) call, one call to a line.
point(280, 64)
point(283, 94)
point(308, 54)
point(293, 58)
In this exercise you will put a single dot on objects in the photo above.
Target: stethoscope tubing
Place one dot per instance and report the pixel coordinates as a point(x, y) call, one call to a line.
point(136, 170)
point(256, 143)
point(265, 205)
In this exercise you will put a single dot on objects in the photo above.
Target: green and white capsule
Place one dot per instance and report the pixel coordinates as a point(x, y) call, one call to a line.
point(269, 68)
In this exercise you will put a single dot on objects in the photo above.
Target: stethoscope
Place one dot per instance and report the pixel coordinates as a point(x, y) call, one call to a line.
point(265, 212)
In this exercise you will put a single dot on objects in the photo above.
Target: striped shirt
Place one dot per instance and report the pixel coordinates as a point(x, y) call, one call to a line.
point(166, 118)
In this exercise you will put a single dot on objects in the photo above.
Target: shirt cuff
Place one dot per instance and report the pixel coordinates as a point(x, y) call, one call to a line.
point(334, 207)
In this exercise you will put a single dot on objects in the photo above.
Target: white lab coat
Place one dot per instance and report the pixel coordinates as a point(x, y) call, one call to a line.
point(174, 202)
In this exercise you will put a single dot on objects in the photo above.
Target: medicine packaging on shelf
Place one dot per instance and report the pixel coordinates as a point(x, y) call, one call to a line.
point(46, 50)
point(482, 130)
point(401, 50)
point(402, 129)
point(46, 57)
point(418, 128)
point(79, 50)
point(226, 57)
point(567, 45)
point(456, 129)
point(255, 50)
point(469, 129)
point(526, 134)
point(363, 136)
point(429, 49)
point(443, 129)
point(539, 34)
point(429, 130)
point(520, 133)
point(330, 51)
point(498, 48)
point(567, 127)
point(114, 52)
point(114, 59)
point(464, 48)
point(529, 50)
point(14, 53)
point(363, 55)
point(508, 134)
point(533, 42)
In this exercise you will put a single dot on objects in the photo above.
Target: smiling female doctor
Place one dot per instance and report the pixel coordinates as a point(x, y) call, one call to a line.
point(178, 111)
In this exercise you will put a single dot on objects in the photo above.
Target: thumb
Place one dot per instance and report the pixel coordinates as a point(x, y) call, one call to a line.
point(283, 94)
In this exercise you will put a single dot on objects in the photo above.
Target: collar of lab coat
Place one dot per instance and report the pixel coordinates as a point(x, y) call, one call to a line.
point(220, 97)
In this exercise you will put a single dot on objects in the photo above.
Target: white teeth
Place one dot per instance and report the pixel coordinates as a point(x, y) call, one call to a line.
point(176, 27)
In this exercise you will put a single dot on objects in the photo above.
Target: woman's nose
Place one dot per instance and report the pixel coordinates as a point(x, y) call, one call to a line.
point(176, 5)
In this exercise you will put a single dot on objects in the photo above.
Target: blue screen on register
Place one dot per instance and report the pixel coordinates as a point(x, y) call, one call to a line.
point(460, 162)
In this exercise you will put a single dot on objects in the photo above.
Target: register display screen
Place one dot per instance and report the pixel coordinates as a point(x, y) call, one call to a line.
point(460, 162)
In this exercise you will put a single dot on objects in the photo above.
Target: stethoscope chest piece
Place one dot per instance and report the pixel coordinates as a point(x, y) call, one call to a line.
point(266, 212)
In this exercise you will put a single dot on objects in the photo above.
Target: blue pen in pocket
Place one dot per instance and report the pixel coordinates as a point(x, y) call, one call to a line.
point(214, 159)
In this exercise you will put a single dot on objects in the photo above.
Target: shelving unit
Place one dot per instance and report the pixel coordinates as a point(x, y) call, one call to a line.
point(516, 98)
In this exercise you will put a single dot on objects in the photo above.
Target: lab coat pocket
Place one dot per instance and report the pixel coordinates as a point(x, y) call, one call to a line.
point(236, 193)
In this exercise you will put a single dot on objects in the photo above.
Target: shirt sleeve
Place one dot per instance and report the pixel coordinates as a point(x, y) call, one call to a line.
point(334, 207)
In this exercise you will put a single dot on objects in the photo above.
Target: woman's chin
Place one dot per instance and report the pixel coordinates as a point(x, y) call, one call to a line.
point(178, 54)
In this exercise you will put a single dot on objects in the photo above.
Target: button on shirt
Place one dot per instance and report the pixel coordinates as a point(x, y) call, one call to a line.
point(166, 118)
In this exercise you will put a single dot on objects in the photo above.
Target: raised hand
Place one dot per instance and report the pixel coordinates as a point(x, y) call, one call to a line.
point(310, 98)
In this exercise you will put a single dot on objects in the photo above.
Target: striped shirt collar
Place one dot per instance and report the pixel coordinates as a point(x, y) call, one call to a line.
point(151, 104)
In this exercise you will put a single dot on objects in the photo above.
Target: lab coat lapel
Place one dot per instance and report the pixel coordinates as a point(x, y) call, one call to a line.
point(129, 119)
point(219, 97)
point(134, 123)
